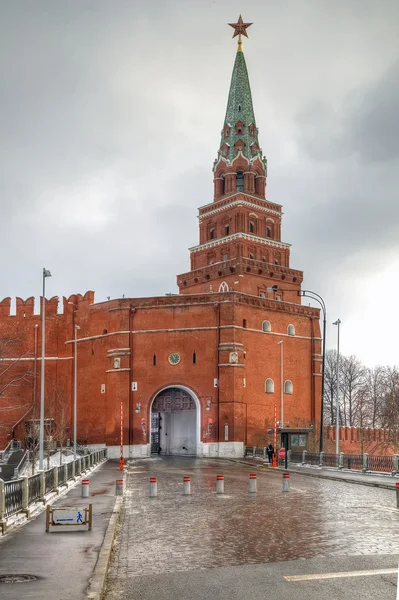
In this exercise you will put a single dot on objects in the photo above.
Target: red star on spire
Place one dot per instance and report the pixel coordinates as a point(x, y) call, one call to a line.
point(240, 27)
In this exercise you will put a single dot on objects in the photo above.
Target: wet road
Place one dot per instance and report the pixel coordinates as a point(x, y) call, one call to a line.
point(162, 538)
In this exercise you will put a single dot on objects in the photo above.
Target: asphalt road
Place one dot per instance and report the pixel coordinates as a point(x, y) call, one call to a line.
point(242, 546)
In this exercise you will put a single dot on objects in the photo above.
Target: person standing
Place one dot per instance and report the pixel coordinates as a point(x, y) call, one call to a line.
point(270, 452)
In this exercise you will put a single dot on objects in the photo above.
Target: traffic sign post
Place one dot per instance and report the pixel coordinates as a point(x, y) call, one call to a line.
point(68, 516)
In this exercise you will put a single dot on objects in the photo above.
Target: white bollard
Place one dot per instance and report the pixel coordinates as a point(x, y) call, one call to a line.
point(252, 483)
point(85, 488)
point(219, 484)
point(153, 487)
point(286, 482)
point(186, 485)
point(119, 487)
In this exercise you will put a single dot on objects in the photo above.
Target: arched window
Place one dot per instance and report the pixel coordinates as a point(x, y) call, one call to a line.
point(227, 229)
point(288, 387)
point(291, 330)
point(223, 185)
point(266, 326)
point(251, 227)
point(212, 233)
point(223, 287)
point(268, 231)
point(269, 386)
point(240, 181)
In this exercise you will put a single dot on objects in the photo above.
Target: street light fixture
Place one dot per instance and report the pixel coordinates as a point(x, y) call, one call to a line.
point(338, 323)
point(319, 299)
point(46, 273)
point(75, 390)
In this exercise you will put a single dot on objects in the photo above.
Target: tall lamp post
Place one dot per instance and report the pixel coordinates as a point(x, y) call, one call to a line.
point(280, 343)
point(338, 323)
point(46, 274)
point(319, 299)
point(75, 389)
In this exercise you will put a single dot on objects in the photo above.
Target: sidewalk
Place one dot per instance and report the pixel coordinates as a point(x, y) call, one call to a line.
point(380, 480)
point(62, 561)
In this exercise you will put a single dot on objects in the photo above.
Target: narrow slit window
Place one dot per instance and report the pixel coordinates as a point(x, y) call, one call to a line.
point(154, 360)
point(194, 358)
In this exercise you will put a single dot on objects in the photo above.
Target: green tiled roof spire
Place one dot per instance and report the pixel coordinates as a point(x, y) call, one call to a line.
point(240, 109)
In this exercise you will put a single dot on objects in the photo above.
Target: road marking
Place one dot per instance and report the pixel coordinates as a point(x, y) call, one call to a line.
point(340, 575)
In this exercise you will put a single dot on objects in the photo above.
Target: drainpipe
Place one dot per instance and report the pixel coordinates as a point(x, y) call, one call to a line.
point(130, 393)
point(218, 375)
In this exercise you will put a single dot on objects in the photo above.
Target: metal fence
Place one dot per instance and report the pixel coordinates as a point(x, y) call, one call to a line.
point(49, 480)
point(383, 464)
point(13, 497)
point(34, 488)
point(331, 460)
point(13, 490)
point(352, 462)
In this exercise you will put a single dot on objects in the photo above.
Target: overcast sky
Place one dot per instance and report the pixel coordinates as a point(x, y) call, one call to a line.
point(110, 119)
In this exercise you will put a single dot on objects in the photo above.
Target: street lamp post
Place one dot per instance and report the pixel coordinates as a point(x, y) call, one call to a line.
point(280, 343)
point(46, 273)
point(75, 388)
point(338, 323)
point(319, 299)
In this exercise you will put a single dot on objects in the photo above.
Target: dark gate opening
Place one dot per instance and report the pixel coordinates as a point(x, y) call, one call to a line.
point(155, 432)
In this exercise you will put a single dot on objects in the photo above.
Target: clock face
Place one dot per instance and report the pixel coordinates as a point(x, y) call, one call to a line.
point(174, 358)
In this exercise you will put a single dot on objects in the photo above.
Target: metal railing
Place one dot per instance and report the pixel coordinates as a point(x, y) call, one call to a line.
point(5, 453)
point(13, 497)
point(331, 460)
point(384, 464)
point(352, 462)
point(13, 490)
point(34, 488)
point(313, 459)
point(49, 480)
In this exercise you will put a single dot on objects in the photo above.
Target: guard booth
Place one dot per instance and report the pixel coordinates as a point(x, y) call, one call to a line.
point(295, 439)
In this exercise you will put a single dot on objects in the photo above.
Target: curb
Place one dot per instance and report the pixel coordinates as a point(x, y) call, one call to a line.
point(377, 484)
point(98, 579)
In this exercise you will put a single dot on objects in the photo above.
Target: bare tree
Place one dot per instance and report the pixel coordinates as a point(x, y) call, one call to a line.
point(15, 377)
point(330, 386)
point(57, 410)
point(352, 378)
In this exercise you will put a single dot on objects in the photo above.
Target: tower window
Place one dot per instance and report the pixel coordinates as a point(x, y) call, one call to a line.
point(225, 257)
point(212, 233)
point(291, 330)
point(266, 326)
point(251, 227)
point(240, 181)
point(227, 230)
point(244, 323)
point(251, 255)
point(288, 387)
point(269, 386)
point(194, 358)
point(154, 360)
point(223, 190)
point(268, 232)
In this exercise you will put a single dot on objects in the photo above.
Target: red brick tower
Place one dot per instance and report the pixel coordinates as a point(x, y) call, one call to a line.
point(240, 245)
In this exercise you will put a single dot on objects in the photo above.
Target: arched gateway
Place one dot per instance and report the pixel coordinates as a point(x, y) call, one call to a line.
point(175, 422)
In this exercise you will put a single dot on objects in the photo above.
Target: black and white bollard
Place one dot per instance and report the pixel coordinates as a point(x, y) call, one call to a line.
point(397, 495)
point(219, 484)
point(286, 482)
point(186, 485)
point(119, 487)
point(252, 483)
point(153, 487)
point(85, 488)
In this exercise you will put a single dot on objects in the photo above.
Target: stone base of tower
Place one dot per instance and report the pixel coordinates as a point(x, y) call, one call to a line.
point(211, 450)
